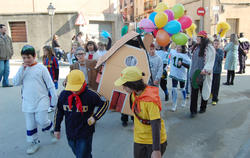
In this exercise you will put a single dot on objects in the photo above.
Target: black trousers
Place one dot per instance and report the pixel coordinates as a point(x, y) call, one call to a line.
point(230, 76)
point(194, 100)
point(242, 61)
point(215, 86)
point(145, 150)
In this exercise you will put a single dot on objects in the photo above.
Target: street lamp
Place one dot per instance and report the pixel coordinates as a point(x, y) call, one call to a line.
point(51, 11)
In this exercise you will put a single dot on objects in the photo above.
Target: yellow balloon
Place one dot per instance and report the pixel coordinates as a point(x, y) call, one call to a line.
point(161, 19)
point(222, 28)
point(161, 7)
point(191, 30)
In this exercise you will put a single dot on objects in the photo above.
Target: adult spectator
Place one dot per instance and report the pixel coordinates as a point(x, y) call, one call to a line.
point(202, 66)
point(6, 52)
point(56, 47)
point(243, 51)
point(231, 58)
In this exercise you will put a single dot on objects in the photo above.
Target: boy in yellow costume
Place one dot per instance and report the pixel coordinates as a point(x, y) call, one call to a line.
point(150, 138)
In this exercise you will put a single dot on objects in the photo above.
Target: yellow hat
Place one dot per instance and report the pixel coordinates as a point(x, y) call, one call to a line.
point(129, 74)
point(75, 80)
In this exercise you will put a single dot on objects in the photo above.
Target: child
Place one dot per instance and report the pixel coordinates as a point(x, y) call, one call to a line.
point(36, 84)
point(51, 62)
point(71, 55)
point(91, 50)
point(179, 64)
point(164, 56)
point(156, 67)
point(77, 104)
point(217, 71)
point(150, 138)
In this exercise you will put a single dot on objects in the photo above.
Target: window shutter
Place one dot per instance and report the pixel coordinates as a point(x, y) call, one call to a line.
point(18, 31)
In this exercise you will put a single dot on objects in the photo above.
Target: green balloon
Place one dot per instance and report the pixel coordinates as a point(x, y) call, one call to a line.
point(124, 30)
point(138, 30)
point(178, 10)
point(180, 38)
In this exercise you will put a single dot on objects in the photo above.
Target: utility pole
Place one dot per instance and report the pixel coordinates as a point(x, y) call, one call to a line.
point(202, 17)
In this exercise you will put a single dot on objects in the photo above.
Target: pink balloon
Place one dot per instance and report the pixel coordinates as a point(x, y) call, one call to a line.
point(185, 21)
point(170, 14)
point(147, 25)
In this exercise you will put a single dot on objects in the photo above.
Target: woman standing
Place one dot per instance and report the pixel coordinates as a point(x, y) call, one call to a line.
point(56, 47)
point(231, 59)
point(200, 72)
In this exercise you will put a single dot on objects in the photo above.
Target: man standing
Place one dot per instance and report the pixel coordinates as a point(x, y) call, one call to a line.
point(6, 52)
point(243, 50)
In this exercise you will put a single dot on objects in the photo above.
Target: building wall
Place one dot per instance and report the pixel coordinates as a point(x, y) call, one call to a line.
point(104, 14)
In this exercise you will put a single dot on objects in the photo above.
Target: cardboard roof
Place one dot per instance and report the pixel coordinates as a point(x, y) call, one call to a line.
point(118, 44)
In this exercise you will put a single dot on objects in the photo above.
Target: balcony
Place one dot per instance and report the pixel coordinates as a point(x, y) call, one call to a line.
point(148, 5)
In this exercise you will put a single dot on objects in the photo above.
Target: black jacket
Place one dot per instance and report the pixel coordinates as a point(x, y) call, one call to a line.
point(76, 122)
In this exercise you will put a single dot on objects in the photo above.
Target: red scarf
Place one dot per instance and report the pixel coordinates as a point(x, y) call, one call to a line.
point(78, 100)
point(150, 94)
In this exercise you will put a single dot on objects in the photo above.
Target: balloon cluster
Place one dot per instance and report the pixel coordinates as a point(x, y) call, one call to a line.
point(167, 24)
point(223, 28)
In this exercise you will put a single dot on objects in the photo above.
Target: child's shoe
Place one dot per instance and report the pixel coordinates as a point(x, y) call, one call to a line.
point(173, 109)
point(214, 103)
point(53, 138)
point(50, 109)
point(33, 147)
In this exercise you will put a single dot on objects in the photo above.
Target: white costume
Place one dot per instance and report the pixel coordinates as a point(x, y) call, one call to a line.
point(36, 84)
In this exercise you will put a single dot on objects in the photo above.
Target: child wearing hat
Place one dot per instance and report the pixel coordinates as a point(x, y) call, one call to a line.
point(77, 104)
point(150, 138)
point(36, 84)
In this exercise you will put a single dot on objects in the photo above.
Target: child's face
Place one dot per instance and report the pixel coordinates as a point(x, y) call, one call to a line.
point(128, 90)
point(91, 47)
point(80, 55)
point(45, 52)
point(28, 59)
point(178, 48)
point(74, 46)
point(216, 44)
point(152, 51)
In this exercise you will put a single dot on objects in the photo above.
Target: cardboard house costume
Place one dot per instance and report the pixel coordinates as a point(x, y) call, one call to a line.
point(128, 51)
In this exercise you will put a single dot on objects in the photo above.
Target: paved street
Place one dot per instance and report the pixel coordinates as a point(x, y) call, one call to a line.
point(222, 132)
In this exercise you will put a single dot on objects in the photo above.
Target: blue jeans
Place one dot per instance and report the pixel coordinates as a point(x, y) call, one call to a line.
point(188, 82)
point(82, 148)
point(4, 71)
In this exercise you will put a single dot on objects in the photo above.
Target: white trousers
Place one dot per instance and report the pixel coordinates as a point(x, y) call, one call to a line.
point(35, 119)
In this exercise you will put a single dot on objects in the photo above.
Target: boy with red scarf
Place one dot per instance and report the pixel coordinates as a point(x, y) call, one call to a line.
point(77, 104)
point(150, 138)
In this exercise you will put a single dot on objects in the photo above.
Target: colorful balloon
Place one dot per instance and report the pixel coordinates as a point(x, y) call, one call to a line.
point(152, 17)
point(161, 19)
point(173, 27)
point(161, 7)
point(155, 32)
point(191, 30)
point(105, 34)
point(162, 38)
point(185, 21)
point(170, 14)
point(222, 28)
point(147, 25)
point(178, 10)
point(124, 30)
point(180, 38)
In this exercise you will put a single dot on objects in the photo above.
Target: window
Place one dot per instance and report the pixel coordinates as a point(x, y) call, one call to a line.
point(234, 23)
point(18, 31)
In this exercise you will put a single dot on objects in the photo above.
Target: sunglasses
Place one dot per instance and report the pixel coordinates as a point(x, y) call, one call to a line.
point(79, 54)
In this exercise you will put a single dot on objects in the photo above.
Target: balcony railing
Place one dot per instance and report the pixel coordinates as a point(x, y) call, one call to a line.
point(148, 5)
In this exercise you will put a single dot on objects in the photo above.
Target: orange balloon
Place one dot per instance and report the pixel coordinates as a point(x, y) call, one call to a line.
point(162, 38)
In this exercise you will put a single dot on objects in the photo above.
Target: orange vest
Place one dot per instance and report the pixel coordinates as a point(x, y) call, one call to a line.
point(150, 94)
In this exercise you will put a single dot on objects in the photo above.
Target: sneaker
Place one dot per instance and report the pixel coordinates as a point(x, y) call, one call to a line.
point(33, 147)
point(187, 97)
point(53, 138)
point(214, 103)
point(50, 109)
point(202, 111)
point(173, 109)
point(226, 83)
point(183, 104)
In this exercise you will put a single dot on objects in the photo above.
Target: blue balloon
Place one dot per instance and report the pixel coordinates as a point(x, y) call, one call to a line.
point(105, 34)
point(173, 27)
point(152, 17)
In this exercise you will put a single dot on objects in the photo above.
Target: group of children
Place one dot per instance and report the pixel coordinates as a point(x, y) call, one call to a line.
point(77, 102)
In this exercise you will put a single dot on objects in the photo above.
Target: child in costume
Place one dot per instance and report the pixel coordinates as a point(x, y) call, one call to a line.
point(36, 84)
point(51, 62)
point(150, 138)
point(77, 103)
point(179, 64)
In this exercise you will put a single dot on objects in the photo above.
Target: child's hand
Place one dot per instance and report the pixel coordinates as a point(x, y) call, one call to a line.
point(156, 154)
point(57, 135)
point(91, 120)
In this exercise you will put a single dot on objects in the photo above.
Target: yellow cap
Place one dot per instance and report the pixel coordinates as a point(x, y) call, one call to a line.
point(75, 80)
point(129, 74)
